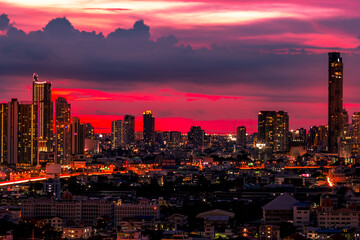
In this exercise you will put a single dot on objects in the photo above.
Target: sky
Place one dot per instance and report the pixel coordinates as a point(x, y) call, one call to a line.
point(212, 63)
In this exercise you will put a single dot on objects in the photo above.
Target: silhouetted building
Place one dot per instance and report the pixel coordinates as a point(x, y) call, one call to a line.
point(241, 136)
point(22, 133)
point(3, 132)
point(129, 129)
point(27, 134)
point(196, 136)
point(273, 129)
point(42, 98)
point(62, 131)
point(12, 143)
point(78, 136)
point(117, 133)
point(172, 137)
point(344, 124)
point(335, 100)
point(355, 132)
point(281, 142)
point(313, 137)
point(149, 128)
point(89, 131)
point(266, 127)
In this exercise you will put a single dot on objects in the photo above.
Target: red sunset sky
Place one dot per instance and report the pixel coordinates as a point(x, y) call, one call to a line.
point(212, 63)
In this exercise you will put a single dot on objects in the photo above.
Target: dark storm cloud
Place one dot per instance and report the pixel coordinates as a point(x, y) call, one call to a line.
point(4, 22)
point(130, 55)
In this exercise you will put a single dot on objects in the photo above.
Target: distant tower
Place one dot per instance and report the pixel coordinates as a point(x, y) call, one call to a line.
point(149, 128)
point(266, 127)
point(129, 129)
point(117, 133)
point(12, 143)
point(335, 100)
point(22, 133)
point(89, 131)
point(196, 136)
point(3, 132)
point(78, 136)
point(42, 98)
point(62, 131)
point(281, 142)
point(355, 132)
point(273, 129)
point(241, 136)
point(27, 134)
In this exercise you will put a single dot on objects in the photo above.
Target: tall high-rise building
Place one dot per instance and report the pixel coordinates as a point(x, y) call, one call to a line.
point(3, 132)
point(273, 129)
point(281, 143)
point(62, 131)
point(324, 135)
point(27, 134)
point(266, 127)
point(335, 100)
point(89, 131)
point(21, 133)
point(241, 136)
point(42, 98)
point(313, 137)
point(196, 136)
point(344, 124)
point(77, 136)
point(117, 133)
point(129, 129)
point(149, 128)
point(12, 143)
point(355, 132)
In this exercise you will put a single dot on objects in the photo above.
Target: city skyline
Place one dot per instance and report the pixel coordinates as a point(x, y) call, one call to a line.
point(217, 73)
point(180, 119)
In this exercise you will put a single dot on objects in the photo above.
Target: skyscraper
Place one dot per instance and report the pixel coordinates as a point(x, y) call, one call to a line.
point(273, 129)
point(22, 133)
point(42, 99)
point(335, 100)
point(241, 136)
point(3, 132)
point(149, 128)
point(27, 134)
point(266, 127)
point(344, 124)
point(281, 142)
point(196, 136)
point(89, 131)
point(12, 143)
point(355, 132)
point(129, 129)
point(117, 133)
point(62, 131)
point(77, 136)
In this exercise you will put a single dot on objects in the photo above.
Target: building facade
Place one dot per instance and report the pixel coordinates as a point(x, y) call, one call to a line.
point(196, 136)
point(21, 138)
point(335, 100)
point(62, 131)
point(355, 132)
point(129, 129)
point(3, 132)
point(42, 99)
point(77, 136)
point(241, 136)
point(117, 133)
point(273, 129)
point(149, 128)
